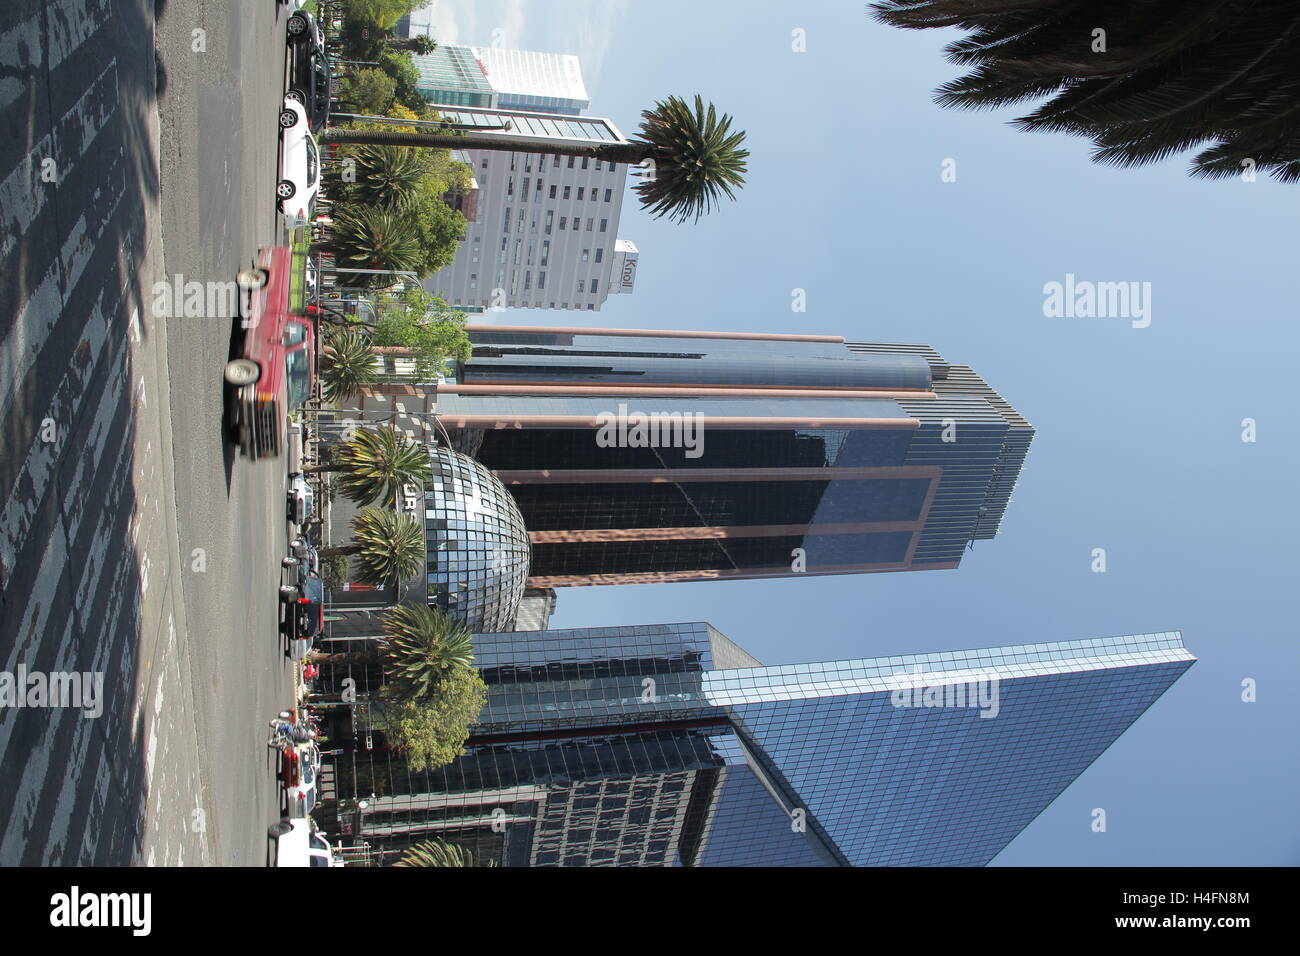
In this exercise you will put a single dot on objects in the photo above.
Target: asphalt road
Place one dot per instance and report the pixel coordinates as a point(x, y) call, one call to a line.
point(133, 543)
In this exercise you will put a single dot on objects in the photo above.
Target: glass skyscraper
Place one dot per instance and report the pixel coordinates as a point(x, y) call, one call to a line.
point(670, 745)
point(639, 456)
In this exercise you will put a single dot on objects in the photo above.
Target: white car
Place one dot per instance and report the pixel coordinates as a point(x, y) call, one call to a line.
point(301, 500)
point(297, 843)
point(299, 162)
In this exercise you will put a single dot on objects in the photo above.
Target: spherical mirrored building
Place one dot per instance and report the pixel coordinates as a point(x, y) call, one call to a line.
point(478, 549)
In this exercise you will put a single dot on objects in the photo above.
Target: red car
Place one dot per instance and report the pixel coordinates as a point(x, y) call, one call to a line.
point(272, 374)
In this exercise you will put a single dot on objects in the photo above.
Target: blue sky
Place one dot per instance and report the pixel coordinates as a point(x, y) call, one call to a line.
point(1139, 446)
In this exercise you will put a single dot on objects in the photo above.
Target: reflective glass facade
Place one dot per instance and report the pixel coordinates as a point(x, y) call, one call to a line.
point(642, 455)
point(668, 745)
point(478, 550)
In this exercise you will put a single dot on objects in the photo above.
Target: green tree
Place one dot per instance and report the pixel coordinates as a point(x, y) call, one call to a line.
point(438, 853)
point(400, 67)
point(375, 464)
point(1143, 79)
point(432, 733)
point(391, 176)
point(389, 546)
point(423, 645)
point(694, 157)
point(426, 328)
point(439, 230)
point(383, 13)
point(375, 237)
point(419, 45)
point(370, 91)
point(347, 363)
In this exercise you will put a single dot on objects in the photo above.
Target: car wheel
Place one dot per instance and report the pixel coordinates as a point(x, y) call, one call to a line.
point(252, 278)
point(288, 119)
point(288, 562)
point(288, 594)
point(297, 25)
point(297, 97)
point(242, 372)
point(277, 830)
point(285, 189)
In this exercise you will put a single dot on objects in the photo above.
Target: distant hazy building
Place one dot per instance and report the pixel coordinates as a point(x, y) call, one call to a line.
point(545, 234)
point(669, 745)
point(528, 80)
point(506, 79)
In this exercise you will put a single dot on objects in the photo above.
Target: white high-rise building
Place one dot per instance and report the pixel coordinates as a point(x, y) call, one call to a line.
point(546, 231)
point(528, 80)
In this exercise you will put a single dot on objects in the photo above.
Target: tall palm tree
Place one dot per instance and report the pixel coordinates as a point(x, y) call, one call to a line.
point(438, 853)
point(696, 157)
point(375, 464)
point(347, 364)
point(1165, 75)
point(375, 237)
point(389, 546)
point(423, 644)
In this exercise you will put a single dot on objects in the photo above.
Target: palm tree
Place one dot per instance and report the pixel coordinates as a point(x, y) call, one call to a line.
point(419, 45)
point(389, 546)
point(1143, 79)
point(376, 237)
point(375, 464)
point(696, 157)
point(389, 176)
point(438, 853)
point(347, 364)
point(423, 644)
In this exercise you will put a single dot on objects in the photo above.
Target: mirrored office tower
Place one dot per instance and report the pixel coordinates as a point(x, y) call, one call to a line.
point(669, 745)
point(645, 456)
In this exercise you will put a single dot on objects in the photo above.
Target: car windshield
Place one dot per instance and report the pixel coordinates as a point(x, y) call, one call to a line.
point(311, 160)
point(297, 367)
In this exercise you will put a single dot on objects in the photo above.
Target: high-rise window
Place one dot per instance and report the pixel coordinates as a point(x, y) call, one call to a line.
point(518, 246)
point(528, 281)
point(556, 164)
point(593, 285)
point(566, 191)
point(483, 164)
point(523, 196)
point(550, 218)
point(546, 251)
point(532, 247)
point(563, 220)
point(539, 188)
point(608, 194)
point(585, 252)
point(584, 162)
point(514, 157)
point(571, 158)
point(581, 284)
point(600, 253)
point(589, 223)
point(603, 224)
point(520, 227)
point(510, 189)
point(553, 189)
point(541, 282)
point(506, 227)
point(579, 194)
point(598, 165)
point(528, 162)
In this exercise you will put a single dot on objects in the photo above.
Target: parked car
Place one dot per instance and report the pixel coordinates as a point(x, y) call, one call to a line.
point(272, 371)
point(304, 557)
point(310, 79)
point(299, 767)
point(302, 500)
point(299, 163)
point(298, 842)
point(303, 614)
